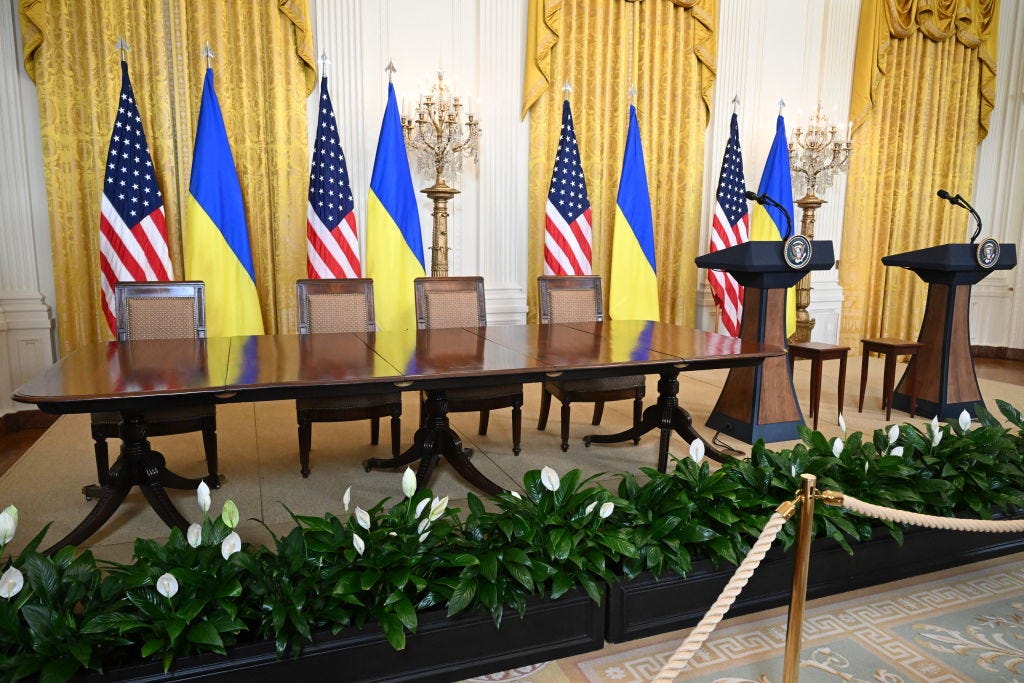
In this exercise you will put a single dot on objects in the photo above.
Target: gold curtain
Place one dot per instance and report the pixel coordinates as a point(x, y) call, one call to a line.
point(264, 70)
point(923, 92)
point(665, 47)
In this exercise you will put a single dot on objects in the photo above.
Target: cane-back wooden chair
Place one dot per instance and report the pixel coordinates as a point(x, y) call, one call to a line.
point(159, 310)
point(460, 302)
point(571, 299)
point(335, 306)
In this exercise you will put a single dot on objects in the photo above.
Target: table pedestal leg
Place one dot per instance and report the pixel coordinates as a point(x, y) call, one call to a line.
point(139, 465)
point(665, 415)
point(434, 440)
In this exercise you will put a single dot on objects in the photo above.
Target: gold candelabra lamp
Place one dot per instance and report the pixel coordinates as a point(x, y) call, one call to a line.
point(818, 153)
point(441, 141)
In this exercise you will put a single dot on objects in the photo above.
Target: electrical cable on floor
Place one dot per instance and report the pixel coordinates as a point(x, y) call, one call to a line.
point(732, 450)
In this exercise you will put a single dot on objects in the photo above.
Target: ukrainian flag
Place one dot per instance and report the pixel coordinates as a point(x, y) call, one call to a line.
point(216, 236)
point(633, 291)
point(768, 223)
point(394, 246)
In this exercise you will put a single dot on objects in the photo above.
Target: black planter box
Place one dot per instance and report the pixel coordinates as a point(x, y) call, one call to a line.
point(645, 606)
point(441, 650)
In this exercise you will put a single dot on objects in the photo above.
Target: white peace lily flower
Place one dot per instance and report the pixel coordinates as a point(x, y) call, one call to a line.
point(936, 433)
point(347, 498)
point(607, 508)
point(697, 450)
point(424, 525)
point(358, 543)
point(965, 420)
point(837, 447)
point(11, 583)
point(590, 508)
point(422, 504)
point(363, 518)
point(229, 514)
point(392, 533)
point(842, 423)
point(13, 512)
point(194, 535)
point(898, 451)
point(167, 585)
point(437, 508)
point(408, 483)
point(515, 494)
point(203, 496)
point(424, 536)
point(550, 479)
point(894, 433)
point(231, 544)
point(8, 525)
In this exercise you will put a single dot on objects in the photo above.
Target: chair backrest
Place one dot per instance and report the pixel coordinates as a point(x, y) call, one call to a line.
point(160, 310)
point(450, 302)
point(570, 298)
point(335, 305)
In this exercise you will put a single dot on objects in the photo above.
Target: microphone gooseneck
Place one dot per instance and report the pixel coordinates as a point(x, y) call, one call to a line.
point(765, 198)
point(957, 200)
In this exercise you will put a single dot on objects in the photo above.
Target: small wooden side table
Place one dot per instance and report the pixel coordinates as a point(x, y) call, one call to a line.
point(890, 348)
point(818, 353)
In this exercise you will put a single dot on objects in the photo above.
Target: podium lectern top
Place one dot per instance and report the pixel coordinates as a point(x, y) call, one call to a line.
point(952, 264)
point(761, 264)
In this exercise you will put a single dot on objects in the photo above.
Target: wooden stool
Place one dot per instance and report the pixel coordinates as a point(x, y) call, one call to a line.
point(818, 353)
point(891, 349)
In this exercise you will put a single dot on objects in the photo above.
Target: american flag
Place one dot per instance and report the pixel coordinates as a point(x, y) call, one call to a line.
point(730, 226)
point(332, 246)
point(133, 236)
point(567, 236)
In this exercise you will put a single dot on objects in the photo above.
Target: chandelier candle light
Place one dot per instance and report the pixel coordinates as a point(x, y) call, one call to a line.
point(441, 140)
point(817, 153)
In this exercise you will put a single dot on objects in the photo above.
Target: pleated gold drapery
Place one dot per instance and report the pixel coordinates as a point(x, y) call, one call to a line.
point(665, 47)
point(924, 88)
point(264, 71)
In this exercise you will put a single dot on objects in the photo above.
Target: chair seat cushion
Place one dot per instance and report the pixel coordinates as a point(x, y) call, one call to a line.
point(347, 402)
point(601, 383)
point(162, 415)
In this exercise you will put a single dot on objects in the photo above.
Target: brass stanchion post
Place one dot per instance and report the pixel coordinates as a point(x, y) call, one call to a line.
point(795, 622)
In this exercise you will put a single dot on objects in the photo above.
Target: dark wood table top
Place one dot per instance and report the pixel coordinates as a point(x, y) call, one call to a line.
point(110, 376)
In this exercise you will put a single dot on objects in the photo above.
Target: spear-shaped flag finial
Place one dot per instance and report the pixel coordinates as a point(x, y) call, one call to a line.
point(632, 94)
point(567, 88)
point(782, 105)
point(390, 68)
point(323, 61)
point(123, 47)
point(208, 53)
point(735, 103)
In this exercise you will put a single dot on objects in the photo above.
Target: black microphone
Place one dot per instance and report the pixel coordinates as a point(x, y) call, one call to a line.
point(957, 200)
point(765, 198)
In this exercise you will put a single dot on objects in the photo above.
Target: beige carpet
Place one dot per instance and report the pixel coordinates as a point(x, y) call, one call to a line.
point(956, 626)
point(259, 457)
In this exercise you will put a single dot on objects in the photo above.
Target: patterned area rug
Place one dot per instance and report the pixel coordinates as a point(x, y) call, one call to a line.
point(962, 625)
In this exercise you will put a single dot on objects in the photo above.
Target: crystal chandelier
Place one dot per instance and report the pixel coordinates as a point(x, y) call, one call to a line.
point(441, 141)
point(818, 153)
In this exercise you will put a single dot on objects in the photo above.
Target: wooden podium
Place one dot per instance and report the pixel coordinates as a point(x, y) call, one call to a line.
point(940, 377)
point(760, 402)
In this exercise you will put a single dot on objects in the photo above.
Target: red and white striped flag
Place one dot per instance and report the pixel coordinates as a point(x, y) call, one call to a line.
point(567, 237)
point(133, 236)
point(332, 246)
point(730, 226)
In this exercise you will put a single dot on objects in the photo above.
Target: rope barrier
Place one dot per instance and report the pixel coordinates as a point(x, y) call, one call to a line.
point(739, 579)
point(892, 515)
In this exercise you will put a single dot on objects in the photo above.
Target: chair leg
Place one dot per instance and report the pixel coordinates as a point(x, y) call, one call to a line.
point(517, 426)
point(842, 382)
point(565, 426)
point(485, 419)
point(863, 380)
point(305, 441)
point(374, 431)
point(210, 444)
point(396, 435)
point(598, 413)
point(638, 411)
point(545, 406)
point(102, 457)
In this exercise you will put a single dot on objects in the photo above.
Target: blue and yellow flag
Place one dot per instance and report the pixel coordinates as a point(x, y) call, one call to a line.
point(394, 245)
point(216, 236)
point(768, 223)
point(633, 291)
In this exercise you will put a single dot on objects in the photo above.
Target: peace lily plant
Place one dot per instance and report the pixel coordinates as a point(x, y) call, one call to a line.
point(204, 589)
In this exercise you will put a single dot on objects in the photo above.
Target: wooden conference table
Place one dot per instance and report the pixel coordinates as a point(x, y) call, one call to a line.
point(139, 376)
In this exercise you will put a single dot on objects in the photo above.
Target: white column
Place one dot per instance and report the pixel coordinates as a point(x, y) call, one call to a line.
point(25, 322)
